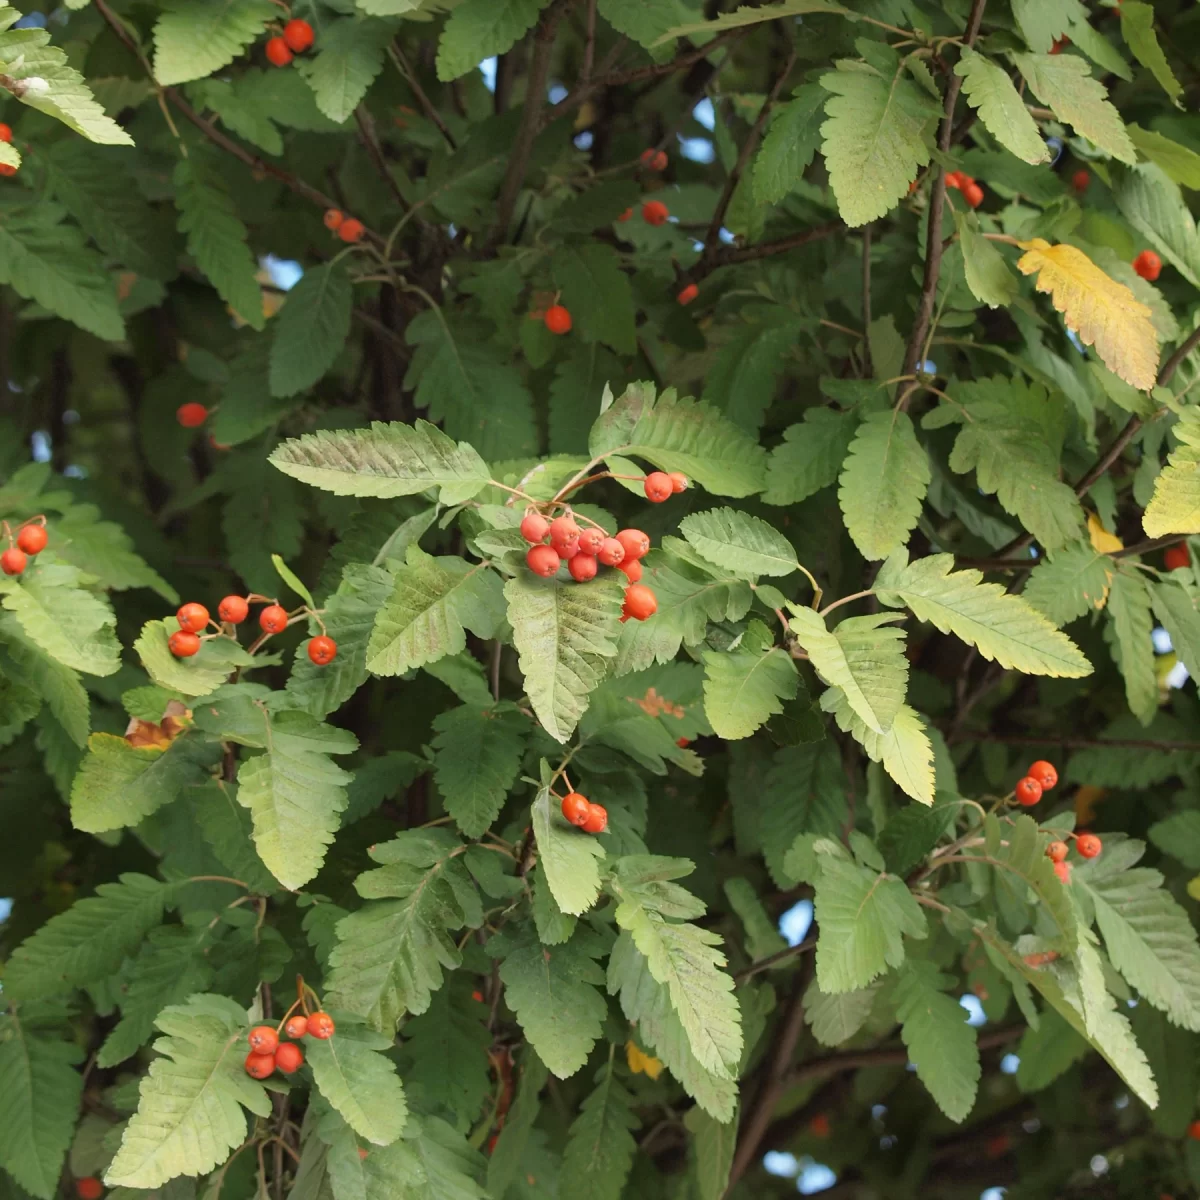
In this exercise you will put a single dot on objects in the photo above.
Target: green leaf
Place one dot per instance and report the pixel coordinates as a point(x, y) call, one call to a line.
point(762, 936)
point(565, 634)
point(791, 140)
point(1003, 627)
point(1001, 109)
point(391, 953)
point(712, 1144)
point(1175, 505)
point(911, 833)
point(810, 456)
point(553, 993)
point(863, 918)
point(359, 1081)
point(1137, 28)
point(747, 684)
point(349, 55)
point(47, 262)
point(646, 24)
point(199, 675)
point(189, 1115)
point(1179, 836)
point(933, 1026)
point(477, 756)
point(600, 1146)
point(194, 38)
point(1128, 631)
point(1155, 208)
point(905, 749)
point(311, 329)
point(874, 135)
point(433, 602)
point(568, 857)
point(104, 550)
point(883, 483)
point(119, 785)
point(1047, 1051)
point(477, 29)
point(680, 435)
point(446, 1054)
point(1180, 164)
point(216, 236)
point(747, 15)
point(836, 1017)
point(739, 542)
point(1070, 583)
point(987, 274)
point(863, 657)
point(40, 1088)
point(27, 665)
point(742, 378)
point(597, 292)
point(385, 460)
point(1064, 83)
point(358, 1174)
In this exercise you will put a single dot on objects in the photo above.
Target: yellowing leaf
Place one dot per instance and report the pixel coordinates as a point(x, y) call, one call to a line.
point(641, 1063)
point(1103, 312)
point(1193, 888)
point(1103, 542)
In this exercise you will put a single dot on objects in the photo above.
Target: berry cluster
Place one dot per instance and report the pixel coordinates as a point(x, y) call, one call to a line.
point(349, 229)
point(194, 618)
point(579, 810)
point(31, 539)
point(6, 136)
point(655, 160)
point(1148, 265)
point(268, 1054)
point(297, 37)
point(972, 192)
point(1088, 845)
point(1040, 777)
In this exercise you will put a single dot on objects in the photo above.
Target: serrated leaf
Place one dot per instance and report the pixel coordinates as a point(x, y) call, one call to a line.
point(478, 29)
point(194, 38)
point(597, 292)
point(1001, 109)
point(940, 1042)
point(747, 684)
point(477, 756)
point(791, 140)
point(748, 15)
point(1179, 163)
point(1070, 583)
point(1063, 82)
point(739, 542)
point(349, 55)
point(905, 749)
point(1003, 627)
point(836, 1017)
point(26, 664)
point(226, 827)
point(199, 675)
point(1175, 606)
point(391, 953)
point(189, 1115)
point(1179, 836)
point(104, 550)
point(600, 1146)
point(646, 24)
point(311, 329)
point(1103, 312)
point(433, 602)
point(385, 460)
point(1175, 505)
point(810, 455)
point(1047, 1051)
point(216, 236)
point(680, 434)
point(1128, 632)
point(356, 1173)
point(446, 1054)
point(883, 483)
point(359, 1081)
point(568, 857)
point(986, 272)
point(1137, 28)
point(552, 991)
point(874, 135)
point(1155, 208)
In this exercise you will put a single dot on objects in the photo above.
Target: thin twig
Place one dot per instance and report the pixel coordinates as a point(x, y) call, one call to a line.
point(765, 964)
point(589, 45)
point(410, 77)
point(1078, 743)
point(366, 127)
point(727, 256)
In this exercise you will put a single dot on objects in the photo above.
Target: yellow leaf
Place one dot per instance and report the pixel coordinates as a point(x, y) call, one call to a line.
point(1103, 542)
point(1193, 888)
point(641, 1063)
point(1103, 312)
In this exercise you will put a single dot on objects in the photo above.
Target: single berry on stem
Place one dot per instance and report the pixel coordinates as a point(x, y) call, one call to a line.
point(333, 219)
point(297, 1026)
point(1028, 791)
point(596, 820)
point(582, 567)
point(192, 617)
point(575, 808)
point(1057, 851)
point(632, 569)
point(183, 643)
point(1088, 845)
point(289, 1058)
point(557, 319)
point(351, 230)
point(1148, 265)
point(687, 294)
point(1044, 772)
point(655, 212)
point(234, 609)
point(1080, 180)
point(13, 561)
point(263, 1039)
point(320, 1025)
point(32, 538)
point(542, 560)
point(273, 619)
point(259, 1066)
point(657, 486)
point(636, 543)
point(640, 602)
point(322, 650)
point(611, 552)
point(191, 415)
point(298, 34)
point(278, 52)
point(534, 528)
point(1174, 558)
point(89, 1188)
point(590, 540)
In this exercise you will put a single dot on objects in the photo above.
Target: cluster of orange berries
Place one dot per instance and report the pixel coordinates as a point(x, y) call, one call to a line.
point(31, 539)
point(194, 618)
point(6, 136)
point(1148, 265)
point(297, 37)
point(972, 192)
point(1039, 779)
point(655, 160)
point(349, 229)
point(268, 1054)
point(580, 811)
point(654, 212)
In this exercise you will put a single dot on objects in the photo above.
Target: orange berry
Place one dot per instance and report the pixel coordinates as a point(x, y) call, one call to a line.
point(320, 1025)
point(183, 644)
point(632, 569)
point(973, 194)
point(658, 487)
point(273, 619)
point(289, 1058)
point(656, 160)
point(1028, 792)
point(6, 169)
point(299, 36)
point(611, 552)
point(679, 482)
point(192, 617)
point(234, 609)
point(542, 560)
point(278, 51)
point(582, 567)
point(819, 1126)
point(32, 538)
point(1044, 773)
point(259, 1066)
point(13, 561)
point(683, 743)
point(89, 1187)
point(655, 212)
point(575, 808)
point(596, 820)
point(297, 1026)
point(534, 528)
point(1175, 557)
point(557, 319)
point(590, 540)
point(688, 294)
point(1193, 1131)
point(1080, 180)
point(636, 543)
point(351, 230)
point(1148, 265)
point(1088, 845)
point(954, 179)
point(626, 215)
point(1059, 43)
point(1057, 851)
point(1063, 871)
point(640, 602)
point(322, 650)
point(191, 415)
point(564, 536)
point(263, 1039)
point(333, 219)
point(5, 132)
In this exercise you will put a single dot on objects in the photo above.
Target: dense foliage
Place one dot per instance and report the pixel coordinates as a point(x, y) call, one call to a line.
point(875, 322)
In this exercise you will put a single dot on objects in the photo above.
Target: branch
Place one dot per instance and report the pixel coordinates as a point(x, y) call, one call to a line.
point(779, 956)
point(726, 256)
point(933, 237)
point(410, 77)
point(1078, 743)
point(366, 128)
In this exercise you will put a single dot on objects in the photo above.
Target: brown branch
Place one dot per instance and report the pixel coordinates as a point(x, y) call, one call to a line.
point(410, 77)
point(937, 202)
point(726, 256)
point(1078, 743)
point(1021, 564)
point(764, 964)
point(366, 129)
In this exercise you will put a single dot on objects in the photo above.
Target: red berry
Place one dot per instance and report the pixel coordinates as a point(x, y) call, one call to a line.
point(955, 179)
point(1194, 1131)
point(558, 319)
point(590, 540)
point(234, 609)
point(632, 569)
point(5, 132)
point(6, 169)
point(1059, 43)
point(297, 1026)
point(1088, 845)
point(1175, 557)
point(299, 36)
point(564, 536)
point(626, 215)
point(320, 1025)
point(1148, 265)
point(1063, 871)
point(192, 617)
point(263, 1039)
point(13, 561)
point(582, 567)
point(32, 538)
point(542, 560)
point(819, 1126)
point(333, 219)
point(273, 619)
point(351, 230)
point(656, 160)
point(575, 808)
point(636, 543)
point(973, 194)
point(289, 1058)
point(655, 212)
point(191, 415)
point(596, 820)
point(278, 52)
point(1080, 180)
point(259, 1066)
point(534, 528)
point(611, 552)
point(683, 743)
point(89, 1187)
point(640, 602)
point(1028, 792)
point(688, 294)
point(183, 644)
point(679, 482)
point(1044, 773)
point(1057, 851)
point(322, 650)
point(657, 486)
